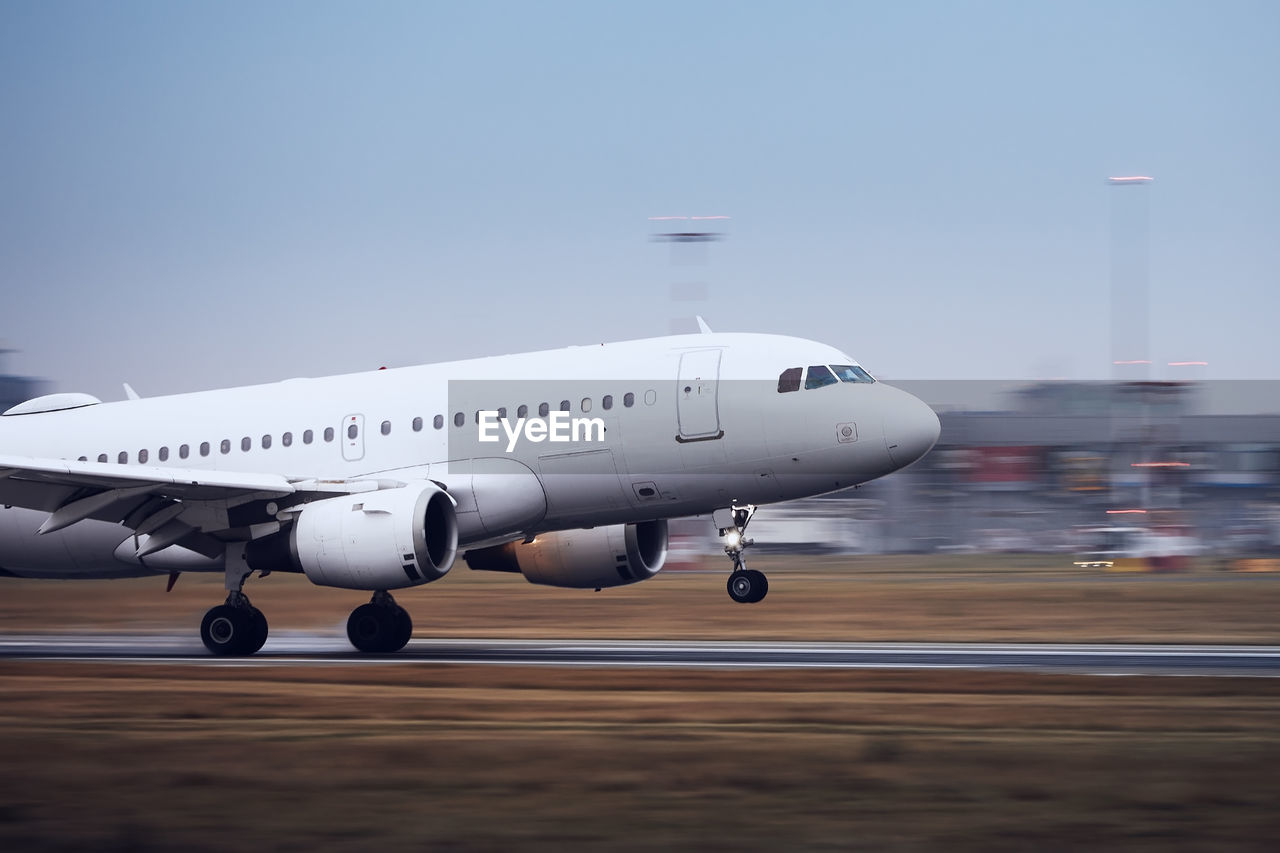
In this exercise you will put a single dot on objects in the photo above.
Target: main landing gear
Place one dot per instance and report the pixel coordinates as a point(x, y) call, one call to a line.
point(745, 586)
point(379, 626)
point(237, 627)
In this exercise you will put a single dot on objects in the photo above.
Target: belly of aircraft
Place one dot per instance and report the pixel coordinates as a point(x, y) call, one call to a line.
point(84, 550)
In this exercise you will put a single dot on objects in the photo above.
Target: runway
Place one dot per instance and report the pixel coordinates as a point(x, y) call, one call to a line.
point(307, 649)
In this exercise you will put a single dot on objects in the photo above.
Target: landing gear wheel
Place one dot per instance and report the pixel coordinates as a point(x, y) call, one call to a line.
point(235, 627)
point(260, 630)
point(227, 630)
point(747, 586)
point(404, 628)
point(379, 627)
point(368, 629)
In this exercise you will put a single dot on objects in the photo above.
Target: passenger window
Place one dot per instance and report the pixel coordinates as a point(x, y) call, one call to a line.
point(502, 413)
point(543, 409)
point(628, 399)
point(183, 451)
point(564, 405)
point(204, 448)
point(287, 439)
point(307, 436)
point(102, 457)
point(606, 402)
point(386, 428)
point(164, 454)
point(83, 459)
point(789, 380)
point(650, 397)
point(417, 424)
point(225, 447)
point(586, 404)
point(246, 444)
point(438, 423)
point(522, 411)
point(142, 457)
point(266, 442)
point(328, 433)
point(352, 431)
point(819, 376)
point(459, 419)
point(123, 458)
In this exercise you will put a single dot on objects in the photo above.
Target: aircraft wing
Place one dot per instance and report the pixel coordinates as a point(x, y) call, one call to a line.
point(165, 505)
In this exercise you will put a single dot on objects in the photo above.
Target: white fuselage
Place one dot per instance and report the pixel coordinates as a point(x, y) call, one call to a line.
point(691, 423)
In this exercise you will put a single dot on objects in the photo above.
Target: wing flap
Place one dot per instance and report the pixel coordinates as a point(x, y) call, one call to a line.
point(68, 514)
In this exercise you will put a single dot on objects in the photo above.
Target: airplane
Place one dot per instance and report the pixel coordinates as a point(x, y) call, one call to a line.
point(561, 465)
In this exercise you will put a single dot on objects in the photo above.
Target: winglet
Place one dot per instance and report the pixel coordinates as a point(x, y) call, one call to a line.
point(702, 326)
point(130, 393)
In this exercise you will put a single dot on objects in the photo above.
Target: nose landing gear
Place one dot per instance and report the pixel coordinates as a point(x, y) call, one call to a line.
point(745, 586)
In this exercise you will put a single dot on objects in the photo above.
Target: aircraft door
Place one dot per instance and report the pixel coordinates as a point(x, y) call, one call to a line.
point(353, 438)
point(697, 410)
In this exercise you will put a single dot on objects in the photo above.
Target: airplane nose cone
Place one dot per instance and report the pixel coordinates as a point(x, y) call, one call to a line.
point(910, 428)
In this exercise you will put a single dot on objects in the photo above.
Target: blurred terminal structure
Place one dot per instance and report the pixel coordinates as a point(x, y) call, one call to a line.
point(1065, 467)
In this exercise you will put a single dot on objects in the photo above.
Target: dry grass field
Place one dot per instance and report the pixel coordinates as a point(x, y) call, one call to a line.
point(127, 756)
point(964, 598)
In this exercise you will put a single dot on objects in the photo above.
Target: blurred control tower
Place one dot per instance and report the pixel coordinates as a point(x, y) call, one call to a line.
point(1130, 278)
point(689, 238)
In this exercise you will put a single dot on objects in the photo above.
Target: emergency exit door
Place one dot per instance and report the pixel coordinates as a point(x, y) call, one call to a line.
point(353, 438)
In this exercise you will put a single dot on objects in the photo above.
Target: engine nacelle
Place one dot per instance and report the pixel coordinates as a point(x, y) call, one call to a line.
point(388, 539)
point(582, 559)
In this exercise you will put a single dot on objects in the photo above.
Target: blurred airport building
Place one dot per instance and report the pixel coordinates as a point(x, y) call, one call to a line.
point(1065, 467)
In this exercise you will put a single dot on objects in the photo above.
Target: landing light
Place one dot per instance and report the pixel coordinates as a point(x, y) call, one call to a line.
point(732, 539)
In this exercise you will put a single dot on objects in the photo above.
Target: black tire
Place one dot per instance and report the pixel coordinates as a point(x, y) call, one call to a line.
point(258, 622)
point(404, 629)
point(227, 630)
point(372, 629)
point(747, 586)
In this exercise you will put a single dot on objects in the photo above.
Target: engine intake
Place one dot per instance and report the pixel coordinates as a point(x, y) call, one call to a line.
point(595, 558)
point(388, 539)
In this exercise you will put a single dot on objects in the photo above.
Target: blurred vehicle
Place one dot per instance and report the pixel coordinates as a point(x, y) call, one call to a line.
point(816, 527)
point(1138, 549)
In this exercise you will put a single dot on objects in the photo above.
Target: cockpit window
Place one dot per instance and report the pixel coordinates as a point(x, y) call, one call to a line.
point(851, 373)
point(819, 375)
point(789, 380)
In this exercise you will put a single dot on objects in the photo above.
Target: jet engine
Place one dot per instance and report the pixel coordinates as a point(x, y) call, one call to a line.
point(387, 539)
point(582, 559)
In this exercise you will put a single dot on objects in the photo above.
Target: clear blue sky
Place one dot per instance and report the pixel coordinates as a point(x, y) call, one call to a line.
point(203, 194)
